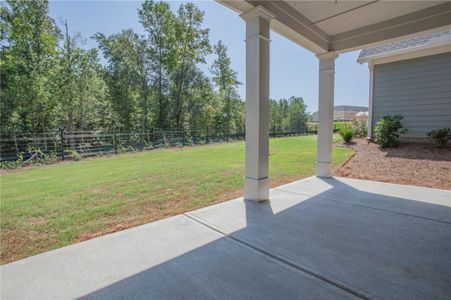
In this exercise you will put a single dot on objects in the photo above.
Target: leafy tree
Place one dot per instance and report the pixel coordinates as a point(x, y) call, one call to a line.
point(190, 48)
point(298, 114)
point(199, 96)
point(159, 23)
point(226, 79)
point(67, 79)
point(122, 75)
point(28, 50)
point(50, 79)
point(79, 86)
point(288, 114)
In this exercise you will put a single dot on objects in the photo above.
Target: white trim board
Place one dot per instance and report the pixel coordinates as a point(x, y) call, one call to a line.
point(408, 53)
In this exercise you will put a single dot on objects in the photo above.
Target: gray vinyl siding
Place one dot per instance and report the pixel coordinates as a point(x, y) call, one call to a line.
point(419, 89)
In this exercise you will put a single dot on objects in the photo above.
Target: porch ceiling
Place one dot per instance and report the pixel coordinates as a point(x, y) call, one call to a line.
point(341, 26)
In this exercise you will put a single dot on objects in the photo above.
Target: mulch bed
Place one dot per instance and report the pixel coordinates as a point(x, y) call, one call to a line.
point(411, 163)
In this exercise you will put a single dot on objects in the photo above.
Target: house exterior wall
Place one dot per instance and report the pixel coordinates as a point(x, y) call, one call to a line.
point(419, 89)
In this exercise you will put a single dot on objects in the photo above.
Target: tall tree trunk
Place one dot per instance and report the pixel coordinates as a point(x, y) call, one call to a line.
point(178, 112)
point(70, 127)
point(70, 108)
point(145, 105)
point(160, 98)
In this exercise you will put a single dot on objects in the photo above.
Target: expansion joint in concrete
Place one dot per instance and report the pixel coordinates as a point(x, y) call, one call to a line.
point(341, 285)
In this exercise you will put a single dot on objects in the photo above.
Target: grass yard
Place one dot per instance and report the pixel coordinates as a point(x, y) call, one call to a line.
point(53, 206)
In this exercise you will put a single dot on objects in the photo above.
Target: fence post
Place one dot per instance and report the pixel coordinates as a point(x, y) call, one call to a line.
point(62, 142)
point(115, 140)
point(208, 138)
point(227, 131)
point(16, 146)
point(183, 137)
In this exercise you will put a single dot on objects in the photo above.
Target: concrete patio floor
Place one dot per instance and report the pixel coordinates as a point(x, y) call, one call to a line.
point(317, 239)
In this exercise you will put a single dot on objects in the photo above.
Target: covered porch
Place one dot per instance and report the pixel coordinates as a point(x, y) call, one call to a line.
point(332, 238)
point(327, 29)
point(318, 238)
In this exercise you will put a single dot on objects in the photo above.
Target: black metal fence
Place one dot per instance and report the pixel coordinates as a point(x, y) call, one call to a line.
point(69, 145)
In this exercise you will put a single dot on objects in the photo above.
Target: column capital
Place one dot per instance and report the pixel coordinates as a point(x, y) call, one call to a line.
point(327, 55)
point(256, 12)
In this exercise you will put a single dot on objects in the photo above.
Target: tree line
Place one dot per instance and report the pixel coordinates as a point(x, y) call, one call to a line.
point(49, 80)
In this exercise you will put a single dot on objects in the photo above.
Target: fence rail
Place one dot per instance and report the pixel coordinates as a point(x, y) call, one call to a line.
point(68, 145)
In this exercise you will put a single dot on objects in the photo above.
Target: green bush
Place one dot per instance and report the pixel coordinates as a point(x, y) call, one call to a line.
point(14, 164)
point(124, 149)
point(40, 157)
point(48, 158)
point(75, 155)
point(440, 136)
point(361, 128)
point(347, 134)
point(387, 131)
point(37, 156)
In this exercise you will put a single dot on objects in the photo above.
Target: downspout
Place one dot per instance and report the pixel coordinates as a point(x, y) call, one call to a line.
point(370, 99)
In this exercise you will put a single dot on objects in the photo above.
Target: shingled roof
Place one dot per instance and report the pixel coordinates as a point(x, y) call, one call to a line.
point(431, 39)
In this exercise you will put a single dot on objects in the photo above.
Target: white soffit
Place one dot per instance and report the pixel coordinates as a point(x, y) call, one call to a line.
point(316, 11)
point(335, 17)
point(338, 25)
point(370, 14)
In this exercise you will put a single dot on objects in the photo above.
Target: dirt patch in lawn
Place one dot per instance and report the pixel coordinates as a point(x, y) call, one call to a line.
point(157, 211)
point(411, 163)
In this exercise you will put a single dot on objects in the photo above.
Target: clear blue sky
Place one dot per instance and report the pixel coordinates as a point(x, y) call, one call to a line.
point(294, 71)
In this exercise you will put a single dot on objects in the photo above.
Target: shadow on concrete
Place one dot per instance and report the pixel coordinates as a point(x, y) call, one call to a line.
point(340, 243)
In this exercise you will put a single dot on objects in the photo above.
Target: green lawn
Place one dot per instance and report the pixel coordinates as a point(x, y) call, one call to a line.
point(53, 206)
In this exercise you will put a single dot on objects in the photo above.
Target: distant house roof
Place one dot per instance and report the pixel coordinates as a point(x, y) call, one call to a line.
point(343, 112)
point(407, 45)
point(350, 108)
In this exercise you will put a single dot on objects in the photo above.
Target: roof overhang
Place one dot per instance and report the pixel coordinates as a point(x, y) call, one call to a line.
point(408, 53)
point(342, 26)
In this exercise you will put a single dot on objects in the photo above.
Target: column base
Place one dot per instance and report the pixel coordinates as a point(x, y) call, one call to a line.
point(256, 189)
point(323, 169)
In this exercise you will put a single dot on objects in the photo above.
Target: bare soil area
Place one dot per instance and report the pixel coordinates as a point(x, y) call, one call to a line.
point(411, 163)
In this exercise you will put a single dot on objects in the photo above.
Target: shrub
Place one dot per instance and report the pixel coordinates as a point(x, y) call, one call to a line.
point(37, 156)
point(440, 136)
point(148, 146)
point(361, 128)
point(14, 163)
point(31, 156)
point(387, 131)
point(75, 155)
point(347, 134)
point(124, 149)
point(48, 158)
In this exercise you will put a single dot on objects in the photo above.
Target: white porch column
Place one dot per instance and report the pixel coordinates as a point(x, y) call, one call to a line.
point(256, 182)
point(325, 113)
